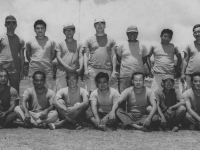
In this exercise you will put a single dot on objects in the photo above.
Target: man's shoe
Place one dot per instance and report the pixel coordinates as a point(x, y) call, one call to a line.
point(52, 126)
point(175, 129)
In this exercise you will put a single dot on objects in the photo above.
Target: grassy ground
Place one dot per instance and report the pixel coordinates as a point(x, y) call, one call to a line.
point(90, 139)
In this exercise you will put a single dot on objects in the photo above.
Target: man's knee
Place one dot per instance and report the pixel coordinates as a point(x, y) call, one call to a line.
point(149, 108)
point(181, 109)
point(18, 109)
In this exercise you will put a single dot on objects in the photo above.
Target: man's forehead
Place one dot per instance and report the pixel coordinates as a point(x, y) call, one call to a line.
point(197, 29)
point(38, 76)
point(40, 26)
point(3, 73)
point(138, 76)
point(196, 77)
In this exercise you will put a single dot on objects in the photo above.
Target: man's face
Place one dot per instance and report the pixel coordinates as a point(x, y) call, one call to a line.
point(166, 38)
point(196, 33)
point(40, 30)
point(3, 78)
point(168, 84)
point(11, 26)
point(39, 81)
point(132, 36)
point(69, 33)
point(196, 82)
point(102, 84)
point(72, 81)
point(100, 26)
point(138, 81)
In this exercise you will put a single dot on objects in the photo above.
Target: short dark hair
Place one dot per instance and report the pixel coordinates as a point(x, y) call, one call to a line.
point(163, 82)
point(40, 22)
point(101, 75)
point(170, 32)
point(39, 72)
point(138, 73)
point(194, 74)
point(4, 70)
point(196, 26)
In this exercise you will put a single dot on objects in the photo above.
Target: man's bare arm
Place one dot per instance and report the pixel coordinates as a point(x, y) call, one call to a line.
point(191, 111)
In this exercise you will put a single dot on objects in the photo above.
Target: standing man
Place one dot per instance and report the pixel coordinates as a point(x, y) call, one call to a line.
point(71, 103)
point(170, 104)
point(40, 53)
point(99, 55)
point(192, 101)
point(164, 59)
point(36, 108)
point(133, 55)
point(12, 53)
point(8, 100)
point(102, 100)
point(69, 55)
point(141, 105)
point(191, 58)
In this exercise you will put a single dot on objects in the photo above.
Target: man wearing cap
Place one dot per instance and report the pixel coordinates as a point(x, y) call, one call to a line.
point(40, 52)
point(99, 55)
point(191, 58)
point(71, 103)
point(133, 54)
point(170, 104)
point(69, 55)
point(102, 100)
point(192, 102)
point(164, 59)
point(36, 108)
point(12, 53)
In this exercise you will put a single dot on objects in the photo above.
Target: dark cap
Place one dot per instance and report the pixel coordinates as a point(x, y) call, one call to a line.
point(72, 73)
point(10, 18)
point(168, 77)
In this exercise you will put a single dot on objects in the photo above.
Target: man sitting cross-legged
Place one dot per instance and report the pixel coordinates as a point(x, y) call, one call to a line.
point(102, 100)
point(192, 101)
point(36, 108)
point(71, 103)
point(8, 100)
point(170, 104)
point(141, 105)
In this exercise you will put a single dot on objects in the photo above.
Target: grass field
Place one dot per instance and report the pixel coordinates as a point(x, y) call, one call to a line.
point(91, 139)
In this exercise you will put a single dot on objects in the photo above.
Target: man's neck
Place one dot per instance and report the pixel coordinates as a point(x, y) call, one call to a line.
point(40, 90)
point(138, 90)
point(2, 87)
point(166, 90)
point(69, 39)
point(100, 33)
point(73, 89)
point(132, 41)
point(40, 37)
point(104, 91)
point(196, 92)
point(10, 34)
point(198, 42)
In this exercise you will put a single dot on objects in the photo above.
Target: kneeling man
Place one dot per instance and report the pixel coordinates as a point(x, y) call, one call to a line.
point(192, 101)
point(71, 103)
point(170, 104)
point(36, 108)
point(102, 100)
point(8, 100)
point(141, 105)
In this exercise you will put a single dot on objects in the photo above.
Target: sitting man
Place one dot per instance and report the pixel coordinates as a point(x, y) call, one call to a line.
point(170, 104)
point(102, 100)
point(192, 101)
point(141, 105)
point(36, 108)
point(71, 103)
point(8, 100)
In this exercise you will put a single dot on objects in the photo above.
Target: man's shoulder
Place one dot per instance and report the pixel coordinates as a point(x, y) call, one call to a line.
point(3, 35)
point(112, 90)
point(50, 91)
point(83, 90)
point(188, 92)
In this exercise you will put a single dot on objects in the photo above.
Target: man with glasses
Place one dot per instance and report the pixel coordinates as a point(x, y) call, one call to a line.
point(99, 55)
point(141, 105)
point(12, 53)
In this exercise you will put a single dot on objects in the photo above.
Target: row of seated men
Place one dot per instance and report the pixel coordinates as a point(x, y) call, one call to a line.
point(145, 109)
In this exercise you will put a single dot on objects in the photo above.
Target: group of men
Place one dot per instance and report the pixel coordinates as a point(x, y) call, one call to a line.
point(64, 102)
